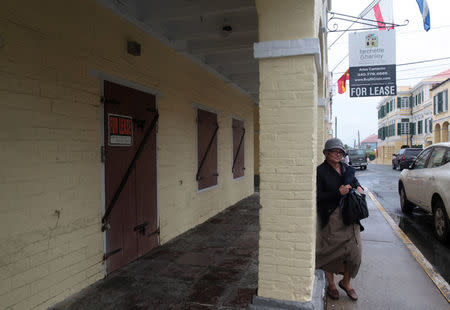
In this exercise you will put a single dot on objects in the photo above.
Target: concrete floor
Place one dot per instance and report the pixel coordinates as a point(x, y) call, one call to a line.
point(213, 266)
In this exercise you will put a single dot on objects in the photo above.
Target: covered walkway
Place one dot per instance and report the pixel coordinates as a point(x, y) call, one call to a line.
point(212, 266)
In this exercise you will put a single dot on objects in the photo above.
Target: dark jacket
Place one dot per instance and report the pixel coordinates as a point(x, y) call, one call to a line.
point(328, 183)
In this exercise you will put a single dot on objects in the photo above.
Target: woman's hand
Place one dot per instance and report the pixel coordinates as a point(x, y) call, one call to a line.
point(360, 190)
point(344, 189)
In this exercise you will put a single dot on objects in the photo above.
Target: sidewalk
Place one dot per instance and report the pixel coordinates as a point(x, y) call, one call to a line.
point(389, 276)
point(214, 266)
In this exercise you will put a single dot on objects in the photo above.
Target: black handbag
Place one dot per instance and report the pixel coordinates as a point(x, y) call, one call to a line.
point(354, 207)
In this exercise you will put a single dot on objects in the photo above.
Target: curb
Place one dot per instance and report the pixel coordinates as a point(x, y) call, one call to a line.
point(437, 279)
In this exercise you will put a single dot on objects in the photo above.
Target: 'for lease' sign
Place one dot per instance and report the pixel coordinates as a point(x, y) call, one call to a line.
point(120, 130)
point(372, 64)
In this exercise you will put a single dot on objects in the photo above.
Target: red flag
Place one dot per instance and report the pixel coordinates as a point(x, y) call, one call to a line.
point(342, 82)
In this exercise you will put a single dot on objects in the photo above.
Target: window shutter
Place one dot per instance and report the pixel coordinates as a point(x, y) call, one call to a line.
point(412, 128)
point(238, 148)
point(431, 125)
point(440, 103)
point(399, 129)
point(207, 167)
point(399, 102)
point(434, 105)
point(446, 100)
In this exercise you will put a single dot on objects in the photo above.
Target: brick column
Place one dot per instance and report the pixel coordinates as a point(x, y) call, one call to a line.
point(289, 61)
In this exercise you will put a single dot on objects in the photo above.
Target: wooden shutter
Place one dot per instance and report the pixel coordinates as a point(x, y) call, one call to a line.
point(446, 100)
point(238, 148)
point(399, 129)
point(207, 129)
point(434, 104)
point(412, 128)
point(399, 102)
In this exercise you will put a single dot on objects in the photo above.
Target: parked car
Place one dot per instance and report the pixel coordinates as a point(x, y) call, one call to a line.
point(357, 158)
point(404, 158)
point(426, 184)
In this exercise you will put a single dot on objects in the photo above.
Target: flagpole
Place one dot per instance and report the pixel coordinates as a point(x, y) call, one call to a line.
point(362, 14)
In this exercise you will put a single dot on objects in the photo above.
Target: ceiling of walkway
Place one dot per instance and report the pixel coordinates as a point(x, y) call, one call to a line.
point(216, 33)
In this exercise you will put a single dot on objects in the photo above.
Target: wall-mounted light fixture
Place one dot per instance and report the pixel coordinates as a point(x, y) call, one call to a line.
point(134, 48)
point(226, 30)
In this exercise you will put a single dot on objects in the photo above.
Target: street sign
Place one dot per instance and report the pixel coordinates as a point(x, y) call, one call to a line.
point(372, 63)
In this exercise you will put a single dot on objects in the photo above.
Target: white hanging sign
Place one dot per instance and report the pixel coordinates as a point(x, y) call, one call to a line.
point(372, 63)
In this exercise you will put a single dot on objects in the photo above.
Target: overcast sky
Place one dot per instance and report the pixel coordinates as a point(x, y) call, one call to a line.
point(413, 44)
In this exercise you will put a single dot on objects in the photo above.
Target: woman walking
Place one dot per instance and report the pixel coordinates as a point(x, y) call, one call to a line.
point(338, 248)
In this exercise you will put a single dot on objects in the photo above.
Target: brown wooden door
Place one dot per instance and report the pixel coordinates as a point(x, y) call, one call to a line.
point(133, 219)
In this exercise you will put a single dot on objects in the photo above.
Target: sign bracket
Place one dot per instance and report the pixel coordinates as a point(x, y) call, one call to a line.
point(373, 24)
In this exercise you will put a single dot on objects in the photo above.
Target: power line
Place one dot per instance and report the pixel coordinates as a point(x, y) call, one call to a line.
point(412, 63)
point(423, 61)
point(411, 78)
point(401, 34)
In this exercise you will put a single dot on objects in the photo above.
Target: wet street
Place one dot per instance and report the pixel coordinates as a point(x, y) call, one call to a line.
point(382, 182)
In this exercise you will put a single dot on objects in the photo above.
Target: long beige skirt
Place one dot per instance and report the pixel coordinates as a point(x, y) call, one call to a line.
point(338, 246)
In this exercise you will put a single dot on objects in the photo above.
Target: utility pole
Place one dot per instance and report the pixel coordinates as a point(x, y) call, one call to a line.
point(335, 126)
point(359, 141)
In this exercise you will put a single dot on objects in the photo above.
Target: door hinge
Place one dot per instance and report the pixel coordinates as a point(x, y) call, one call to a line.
point(109, 254)
point(156, 232)
point(102, 154)
point(108, 100)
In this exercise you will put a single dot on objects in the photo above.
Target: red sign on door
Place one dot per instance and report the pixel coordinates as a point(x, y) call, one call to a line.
point(120, 130)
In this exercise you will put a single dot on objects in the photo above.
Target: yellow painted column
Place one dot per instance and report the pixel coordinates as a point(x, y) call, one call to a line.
point(288, 69)
point(322, 129)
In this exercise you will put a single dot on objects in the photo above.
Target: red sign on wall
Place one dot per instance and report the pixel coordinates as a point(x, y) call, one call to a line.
point(120, 130)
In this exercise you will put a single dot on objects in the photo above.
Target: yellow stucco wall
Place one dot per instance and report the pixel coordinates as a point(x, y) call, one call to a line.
point(51, 245)
point(288, 156)
point(385, 151)
point(441, 121)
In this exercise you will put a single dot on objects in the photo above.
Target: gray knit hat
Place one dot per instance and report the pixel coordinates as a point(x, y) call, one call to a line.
point(334, 143)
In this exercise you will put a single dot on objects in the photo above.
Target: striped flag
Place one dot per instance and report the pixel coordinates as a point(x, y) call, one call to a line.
point(423, 6)
point(382, 12)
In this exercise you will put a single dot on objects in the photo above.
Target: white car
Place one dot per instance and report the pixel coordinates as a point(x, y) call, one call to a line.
point(426, 184)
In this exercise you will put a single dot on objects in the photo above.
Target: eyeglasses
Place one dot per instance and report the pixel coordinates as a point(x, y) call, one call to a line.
point(336, 151)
